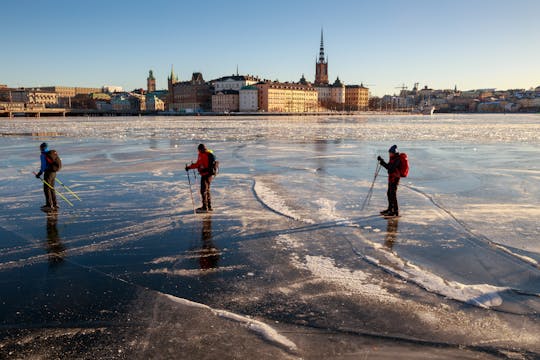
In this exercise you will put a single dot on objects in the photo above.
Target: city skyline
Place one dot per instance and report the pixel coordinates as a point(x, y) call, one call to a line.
point(471, 45)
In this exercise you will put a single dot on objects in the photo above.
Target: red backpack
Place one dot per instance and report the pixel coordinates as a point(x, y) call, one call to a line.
point(403, 165)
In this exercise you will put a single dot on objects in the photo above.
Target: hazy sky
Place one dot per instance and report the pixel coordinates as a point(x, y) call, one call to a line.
point(381, 43)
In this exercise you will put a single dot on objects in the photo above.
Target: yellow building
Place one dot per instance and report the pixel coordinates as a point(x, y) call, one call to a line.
point(356, 97)
point(286, 97)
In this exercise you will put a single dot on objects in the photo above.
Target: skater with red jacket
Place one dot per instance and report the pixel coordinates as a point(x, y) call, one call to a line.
point(394, 174)
point(205, 166)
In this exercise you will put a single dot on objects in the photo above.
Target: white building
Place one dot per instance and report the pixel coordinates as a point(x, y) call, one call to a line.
point(337, 92)
point(235, 82)
point(112, 89)
point(249, 98)
point(324, 93)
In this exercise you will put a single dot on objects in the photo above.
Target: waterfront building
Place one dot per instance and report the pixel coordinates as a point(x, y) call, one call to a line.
point(130, 102)
point(324, 94)
point(321, 66)
point(34, 96)
point(120, 102)
point(286, 97)
point(356, 97)
point(226, 101)
point(234, 82)
point(337, 92)
point(190, 96)
point(150, 82)
point(154, 103)
point(67, 93)
point(249, 98)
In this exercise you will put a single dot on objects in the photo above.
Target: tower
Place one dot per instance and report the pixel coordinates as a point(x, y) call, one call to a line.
point(171, 80)
point(321, 66)
point(150, 82)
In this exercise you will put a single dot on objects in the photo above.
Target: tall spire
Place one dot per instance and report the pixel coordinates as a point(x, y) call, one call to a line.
point(173, 77)
point(321, 50)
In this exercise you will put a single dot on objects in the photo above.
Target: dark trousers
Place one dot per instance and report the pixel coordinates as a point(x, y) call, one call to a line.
point(205, 191)
point(50, 194)
point(392, 197)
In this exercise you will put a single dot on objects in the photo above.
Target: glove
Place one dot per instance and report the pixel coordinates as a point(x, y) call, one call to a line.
point(379, 159)
point(187, 168)
point(38, 175)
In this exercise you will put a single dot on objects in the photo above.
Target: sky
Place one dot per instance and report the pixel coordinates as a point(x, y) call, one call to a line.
point(383, 44)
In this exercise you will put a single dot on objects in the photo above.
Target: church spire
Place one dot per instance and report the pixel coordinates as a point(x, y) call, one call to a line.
point(321, 65)
point(173, 79)
point(321, 50)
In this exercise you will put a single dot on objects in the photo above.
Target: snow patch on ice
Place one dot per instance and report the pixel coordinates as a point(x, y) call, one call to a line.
point(275, 202)
point(356, 281)
point(259, 327)
point(193, 272)
point(481, 295)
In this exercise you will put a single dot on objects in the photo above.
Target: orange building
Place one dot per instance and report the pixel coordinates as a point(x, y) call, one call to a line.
point(356, 97)
point(286, 97)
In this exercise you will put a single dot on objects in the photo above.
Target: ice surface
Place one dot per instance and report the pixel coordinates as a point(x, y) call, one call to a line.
point(288, 240)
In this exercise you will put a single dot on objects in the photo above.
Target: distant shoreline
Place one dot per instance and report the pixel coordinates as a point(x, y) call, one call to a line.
point(95, 113)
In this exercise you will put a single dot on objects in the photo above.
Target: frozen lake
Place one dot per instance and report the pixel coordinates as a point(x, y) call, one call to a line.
point(288, 265)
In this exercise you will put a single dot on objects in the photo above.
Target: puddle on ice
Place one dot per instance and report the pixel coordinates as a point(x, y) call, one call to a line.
point(288, 239)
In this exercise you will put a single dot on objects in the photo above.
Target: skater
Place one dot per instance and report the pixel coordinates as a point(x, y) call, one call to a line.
point(394, 174)
point(205, 170)
point(49, 175)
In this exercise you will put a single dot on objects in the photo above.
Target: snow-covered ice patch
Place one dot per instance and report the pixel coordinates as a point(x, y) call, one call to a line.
point(275, 202)
point(482, 295)
point(259, 327)
point(356, 281)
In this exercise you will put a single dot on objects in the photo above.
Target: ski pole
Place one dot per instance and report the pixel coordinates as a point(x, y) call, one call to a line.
point(56, 191)
point(191, 192)
point(68, 189)
point(370, 191)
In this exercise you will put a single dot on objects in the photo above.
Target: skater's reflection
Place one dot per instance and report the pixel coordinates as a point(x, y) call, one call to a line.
point(55, 248)
point(391, 232)
point(209, 254)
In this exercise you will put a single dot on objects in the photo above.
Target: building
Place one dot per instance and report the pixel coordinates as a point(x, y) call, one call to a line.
point(321, 66)
point(120, 102)
point(110, 89)
point(249, 98)
point(234, 82)
point(171, 81)
point(35, 96)
point(331, 96)
point(226, 101)
point(129, 102)
point(67, 93)
point(286, 97)
point(356, 98)
point(154, 103)
point(190, 96)
point(150, 82)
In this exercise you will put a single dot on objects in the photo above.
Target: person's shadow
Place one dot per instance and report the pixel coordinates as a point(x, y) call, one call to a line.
point(55, 249)
point(391, 232)
point(209, 255)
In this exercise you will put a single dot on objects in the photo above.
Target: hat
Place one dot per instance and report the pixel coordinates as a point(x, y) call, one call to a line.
point(393, 149)
point(201, 147)
point(43, 146)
